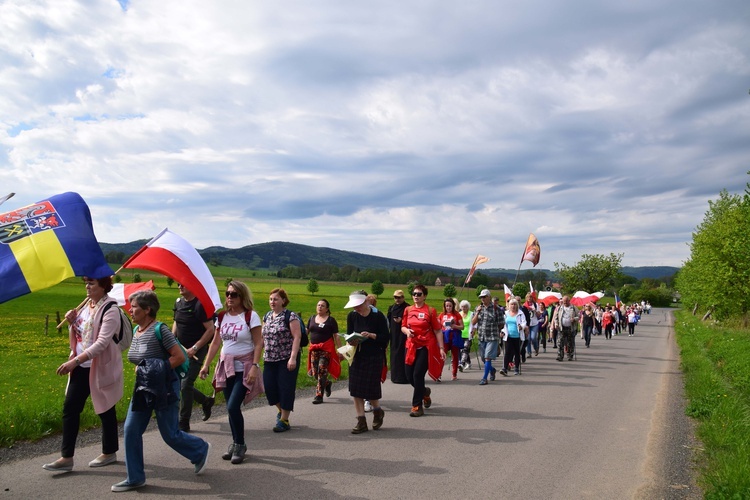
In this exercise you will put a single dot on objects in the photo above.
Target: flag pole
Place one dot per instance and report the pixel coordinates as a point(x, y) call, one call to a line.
point(78, 308)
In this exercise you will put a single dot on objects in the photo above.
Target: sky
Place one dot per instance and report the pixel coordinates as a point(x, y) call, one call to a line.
point(429, 131)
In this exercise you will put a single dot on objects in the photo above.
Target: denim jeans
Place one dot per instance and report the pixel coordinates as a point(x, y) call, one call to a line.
point(234, 394)
point(587, 331)
point(533, 339)
point(191, 447)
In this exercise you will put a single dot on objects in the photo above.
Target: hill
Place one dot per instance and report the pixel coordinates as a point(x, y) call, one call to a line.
point(279, 254)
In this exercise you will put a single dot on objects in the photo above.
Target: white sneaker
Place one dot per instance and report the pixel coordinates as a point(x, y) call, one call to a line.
point(368, 406)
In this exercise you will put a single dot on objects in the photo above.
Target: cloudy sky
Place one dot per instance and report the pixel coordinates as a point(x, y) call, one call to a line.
point(421, 130)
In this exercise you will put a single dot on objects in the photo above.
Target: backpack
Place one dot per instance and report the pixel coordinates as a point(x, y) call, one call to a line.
point(125, 338)
point(304, 341)
point(248, 316)
point(182, 370)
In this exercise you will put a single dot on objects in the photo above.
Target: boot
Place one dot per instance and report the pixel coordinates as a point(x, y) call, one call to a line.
point(361, 426)
point(377, 420)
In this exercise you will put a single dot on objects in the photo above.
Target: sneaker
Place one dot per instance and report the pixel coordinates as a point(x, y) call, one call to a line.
point(559, 358)
point(282, 426)
point(454, 377)
point(184, 426)
point(377, 420)
point(536, 353)
point(229, 453)
point(368, 406)
point(317, 399)
point(59, 465)
point(483, 381)
point(328, 388)
point(206, 407)
point(504, 372)
point(126, 486)
point(416, 411)
point(461, 367)
point(278, 417)
point(516, 372)
point(103, 460)
point(200, 467)
point(493, 372)
point(239, 453)
point(545, 350)
point(426, 399)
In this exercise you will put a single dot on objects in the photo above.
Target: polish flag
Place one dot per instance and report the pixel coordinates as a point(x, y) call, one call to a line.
point(121, 292)
point(548, 298)
point(508, 293)
point(171, 255)
point(531, 289)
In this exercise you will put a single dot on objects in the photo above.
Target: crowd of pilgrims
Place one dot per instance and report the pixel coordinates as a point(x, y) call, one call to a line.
point(168, 358)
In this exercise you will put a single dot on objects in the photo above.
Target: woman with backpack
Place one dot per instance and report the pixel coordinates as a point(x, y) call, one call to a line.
point(156, 354)
point(237, 373)
point(94, 368)
point(282, 337)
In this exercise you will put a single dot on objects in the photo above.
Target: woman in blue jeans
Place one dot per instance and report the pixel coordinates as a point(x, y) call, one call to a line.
point(587, 323)
point(157, 389)
point(238, 371)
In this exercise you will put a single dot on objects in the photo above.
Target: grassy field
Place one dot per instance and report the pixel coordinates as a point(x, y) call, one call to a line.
point(717, 385)
point(31, 394)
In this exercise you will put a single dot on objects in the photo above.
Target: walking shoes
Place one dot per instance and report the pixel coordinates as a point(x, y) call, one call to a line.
point(103, 460)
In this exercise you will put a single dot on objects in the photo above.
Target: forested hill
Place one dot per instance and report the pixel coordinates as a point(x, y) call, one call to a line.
point(279, 254)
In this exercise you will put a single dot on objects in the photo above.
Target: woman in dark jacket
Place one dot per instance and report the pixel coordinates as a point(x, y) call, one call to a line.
point(366, 369)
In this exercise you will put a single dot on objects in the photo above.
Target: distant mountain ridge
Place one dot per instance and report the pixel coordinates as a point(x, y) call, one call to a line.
point(279, 254)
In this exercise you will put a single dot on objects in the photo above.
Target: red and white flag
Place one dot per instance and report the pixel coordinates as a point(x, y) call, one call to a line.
point(121, 292)
point(533, 251)
point(481, 259)
point(533, 293)
point(508, 293)
point(171, 255)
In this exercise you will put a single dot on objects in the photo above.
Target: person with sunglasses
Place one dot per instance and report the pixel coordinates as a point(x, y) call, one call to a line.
point(194, 329)
point(238, 331)
point(424, 349)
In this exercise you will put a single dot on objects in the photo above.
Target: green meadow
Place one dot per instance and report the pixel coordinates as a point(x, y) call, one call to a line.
point(31, 394)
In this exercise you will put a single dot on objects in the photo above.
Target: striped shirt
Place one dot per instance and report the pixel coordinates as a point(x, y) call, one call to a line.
point(146, 345)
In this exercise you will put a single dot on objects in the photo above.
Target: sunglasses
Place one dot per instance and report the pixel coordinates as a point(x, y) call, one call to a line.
point(398, 296)
point(417, 294)
point(234, 295)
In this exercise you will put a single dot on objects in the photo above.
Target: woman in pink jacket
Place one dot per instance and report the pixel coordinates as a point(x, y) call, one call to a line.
point(94, 368)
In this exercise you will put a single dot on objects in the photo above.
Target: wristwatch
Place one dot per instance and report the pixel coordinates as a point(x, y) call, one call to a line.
point(256, 364)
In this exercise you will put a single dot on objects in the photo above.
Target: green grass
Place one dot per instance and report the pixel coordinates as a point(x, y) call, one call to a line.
point(31, 394)
point(716, 365)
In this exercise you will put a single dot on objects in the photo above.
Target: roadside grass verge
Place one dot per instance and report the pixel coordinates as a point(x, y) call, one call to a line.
point(716, 365)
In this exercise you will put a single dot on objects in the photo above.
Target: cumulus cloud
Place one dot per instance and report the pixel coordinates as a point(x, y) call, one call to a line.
point(425, 131)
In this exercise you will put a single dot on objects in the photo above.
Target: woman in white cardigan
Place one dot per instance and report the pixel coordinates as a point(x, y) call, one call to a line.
point(514, 333)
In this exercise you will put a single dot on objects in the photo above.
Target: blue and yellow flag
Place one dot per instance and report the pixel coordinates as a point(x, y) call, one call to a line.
point(47, 242)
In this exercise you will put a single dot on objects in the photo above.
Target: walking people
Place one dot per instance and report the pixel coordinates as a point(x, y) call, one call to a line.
point(424, 349)
point(194, 329)
point(94, 368)
point(566, 321)
point(466, 334)
point(322, 357)
point(398, 339)
point(514, 331)
point(237, 374)
point(587, 323)
point(366, 372)
point(281, 356)
point(452, 339)
point(487, 320)
point(155, 355)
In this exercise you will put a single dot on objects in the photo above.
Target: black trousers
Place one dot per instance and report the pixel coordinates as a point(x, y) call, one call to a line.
point(75, 399)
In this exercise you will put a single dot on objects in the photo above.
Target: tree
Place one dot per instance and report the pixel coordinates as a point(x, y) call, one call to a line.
point(136, 278)
point(449, 290)
point(312, 286)
point(227, 281)
point(520, 289)
point(592, 273)
point(717, 274)
point(479, 289)
point(377, 288)
point(170, 282)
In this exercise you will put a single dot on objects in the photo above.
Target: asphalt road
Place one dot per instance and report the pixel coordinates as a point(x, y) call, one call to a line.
point(609, 425)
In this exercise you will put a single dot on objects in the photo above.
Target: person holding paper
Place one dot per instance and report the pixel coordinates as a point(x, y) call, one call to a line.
point(367, 370)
